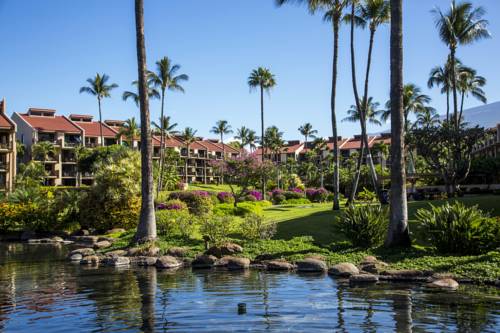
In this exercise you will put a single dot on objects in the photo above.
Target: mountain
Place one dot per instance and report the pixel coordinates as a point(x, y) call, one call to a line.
point(487, 115)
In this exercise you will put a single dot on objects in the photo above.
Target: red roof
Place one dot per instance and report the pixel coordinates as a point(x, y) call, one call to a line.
point(173, 143)
point(4, 120)
point(356, 143)
point(217, 146)
point(387, 141)
point(92, 129)
point(51, 123)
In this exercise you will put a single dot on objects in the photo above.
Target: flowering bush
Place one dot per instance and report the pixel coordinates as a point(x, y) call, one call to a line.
point(225, 197)
point(317, 195)
point(256, 194)
point(173, 205)
point(249, 197)
point(198, 202)
point(293, 195)
point(278, 199)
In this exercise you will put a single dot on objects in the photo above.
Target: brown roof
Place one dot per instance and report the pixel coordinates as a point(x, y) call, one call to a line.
point(92, 129)
point(51, 123)
point(5, 122)
point(356, 143)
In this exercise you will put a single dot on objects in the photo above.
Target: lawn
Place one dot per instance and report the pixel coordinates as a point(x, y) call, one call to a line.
point(211, 187)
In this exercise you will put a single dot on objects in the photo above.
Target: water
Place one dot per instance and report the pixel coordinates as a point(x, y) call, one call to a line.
point(41, 292)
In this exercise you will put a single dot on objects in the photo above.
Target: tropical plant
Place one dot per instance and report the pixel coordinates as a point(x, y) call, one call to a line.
point(273, 139)
point(242, 134)
point(217, 228)
point(365, 226)
point(252, 140)
point(166, 78)
point(222, 128)
point(470, 83)
point(130, 130)
point(372, 114)
point(255, 227)
point(308, 132)
point(152, 92)
point(99, 87)
point(146, 230)
point(43, 151)
point(189, 137)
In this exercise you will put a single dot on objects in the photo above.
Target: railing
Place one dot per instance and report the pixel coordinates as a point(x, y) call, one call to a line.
point(4, 166)
point(69, 173)
point(71, 144)
point(70, 159)
point(6, 145)
point(87, 175)
point(52, 174)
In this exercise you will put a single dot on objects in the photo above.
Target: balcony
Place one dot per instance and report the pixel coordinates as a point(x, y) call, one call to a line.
point(87, 175)
point(4, 166)
point(69, 173)
point(5, 145)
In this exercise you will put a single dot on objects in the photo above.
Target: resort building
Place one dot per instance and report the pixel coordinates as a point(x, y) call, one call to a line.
point(491, 146)
point(7, 150)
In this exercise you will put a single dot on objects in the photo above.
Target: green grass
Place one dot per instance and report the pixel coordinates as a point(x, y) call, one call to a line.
point(211, 187)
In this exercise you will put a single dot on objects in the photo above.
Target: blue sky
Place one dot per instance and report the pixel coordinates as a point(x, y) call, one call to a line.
point(49, 48)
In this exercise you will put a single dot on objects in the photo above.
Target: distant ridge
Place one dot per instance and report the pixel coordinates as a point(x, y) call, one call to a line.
point(487, 115)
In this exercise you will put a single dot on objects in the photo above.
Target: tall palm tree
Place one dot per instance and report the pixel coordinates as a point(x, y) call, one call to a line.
point(146, 230)
point(333, 13)
point(252, 140)
point(462, 24)
point(308, 132)
point(319, 146)
point(130, 130)
point(152, 92)
point(427, 119)
point(43, 150)
point(398, 233)
point(166, 131)
point(264, 80)
point(189, 137)
point(371, 115)
point(440, 76)
point(242, 135)
point(166, 78)
point(222, 128)
point(470, 83)
point(273, 139)
point(99, 87)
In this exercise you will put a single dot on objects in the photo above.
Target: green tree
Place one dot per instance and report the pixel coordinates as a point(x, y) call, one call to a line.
point(130, 130)
point(146, 230)
point(166, 78)
point(222, 128)
point(189, 137)
point(252, 140)
point(242, 135)
point(308, 132)
point(134, 96)
point(470, 83)
point(99, 87)
point(43, 151)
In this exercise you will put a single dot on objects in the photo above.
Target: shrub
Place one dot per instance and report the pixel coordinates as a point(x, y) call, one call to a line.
point(224, 209)
point(364, 226)
point(21, 216)
point(175, 223)
point(366, 195)
point(278, 199)
point(254, 227)
point(246, 208)
point(302, 201)
point(217, 228)
point(293, 195)
point(199, 202)
point(317, 195)
point(256, 194)
point(264, 203)
point(225, 197)
point(459, 229)
point(174, 204)
point(249, 197)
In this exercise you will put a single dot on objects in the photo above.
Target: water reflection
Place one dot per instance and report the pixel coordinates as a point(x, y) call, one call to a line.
point(40, 291)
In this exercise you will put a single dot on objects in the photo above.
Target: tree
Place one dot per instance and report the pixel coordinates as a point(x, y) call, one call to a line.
point(166, 131)
point(189, 137)
point(470, 83)
point(264, 80)
point(167, 125)
point(428, 118)
point(440, 76)
point(130, 130)
point(320, 146)
point(242, 135)
point(43, 151)
point(99, 87)
point(166, 78)
point(273, 139)
point(333, 13)
point(222, 128)
point(398, 234)
point(462, 24)
point(308, 132)
point(152, 92)
point(146, 230)
point(382, 149)
point(252, 140)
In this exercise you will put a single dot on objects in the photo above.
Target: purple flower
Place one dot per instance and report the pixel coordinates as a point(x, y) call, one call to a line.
point(256, 194)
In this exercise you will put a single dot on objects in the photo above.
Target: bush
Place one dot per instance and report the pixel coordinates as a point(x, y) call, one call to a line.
point(317, 195)
point(264, 203)
point(224, 209)
point(278, 199)
point(293, 195)
point(246, 208)
point(21, 216)
point(366, 195)
point(302, 201)
point(365, 226)
point(199, 202)
point(249, 197)
point(225, 197)
point(254, 227)
point(175, 223)
point(459, 229)
point(256, 194)
point(217, 228)
point(174, 204)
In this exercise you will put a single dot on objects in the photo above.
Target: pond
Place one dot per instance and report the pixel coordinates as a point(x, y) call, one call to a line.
point(41, 292)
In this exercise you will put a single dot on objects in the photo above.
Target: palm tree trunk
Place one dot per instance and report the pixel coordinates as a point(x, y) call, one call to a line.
point(146, 230)
point(262, 138)
point(461, 107)
point(186, 165)
point(398, 233)
point(223, 158)
point(336, 160)
point(355, 181)
point(162, 144)
point(447, 105)
point(454, 86)
point(100, 121)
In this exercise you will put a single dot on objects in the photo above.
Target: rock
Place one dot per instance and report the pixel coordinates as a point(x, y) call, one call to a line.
point(90, 260)
point(115, 231)
point(177, 252)
point(363, 278)
point(279, 265)
point(204, 261)
point(264, 257)
point(102, 244)
point(86, 251)
point(374, 268)
point(89, 240)
point(227, 249)
point(406, 275)
point(235, 263)
point(345, 269)
point(116, 253)
point(497, 283)
point(145, 261)
point(311, 265)
point(26, 235)
point(116, 261)
point(222, 262)
point(369, 260)
point(152, 251)
point(167, 262)
point(82, 232)
point(57, 239)
point(448, 284)
point(75, 257)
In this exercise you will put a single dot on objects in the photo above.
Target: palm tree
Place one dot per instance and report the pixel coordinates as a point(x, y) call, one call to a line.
point(320, 145)
point(440, 77)
point(308, 132)
point(427, 119)
point(371, 116)
point(382, 149)
point(333, 13)
point(242, 135)
point(130, 130)
point(252, 140)
point(462, 24)
point(189, 137)
point(273, 139)
point(222, 128)
point(43, 151)
point(263, 79)
point(152, 92)
point(470, 83)
point(168, 128)
point(99, 87)
point(398, 233)
point(146, 230)
point(166, 78)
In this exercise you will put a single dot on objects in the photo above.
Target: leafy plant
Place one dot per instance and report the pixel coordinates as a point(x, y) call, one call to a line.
point(170, 223)
point(199, 202)
point(365, 226)
point(217, 228)
point(174, 204)
point(459, 229)
point(366, 195)
point(254, 227)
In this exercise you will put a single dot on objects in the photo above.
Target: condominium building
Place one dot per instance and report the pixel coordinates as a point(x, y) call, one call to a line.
point(7, 150)
point(491, 145)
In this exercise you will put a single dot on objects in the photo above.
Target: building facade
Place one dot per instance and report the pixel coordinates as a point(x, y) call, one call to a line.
point(7, 150)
